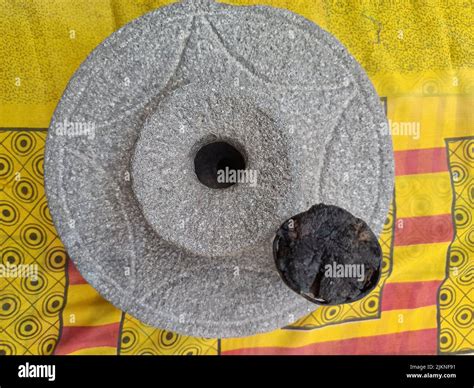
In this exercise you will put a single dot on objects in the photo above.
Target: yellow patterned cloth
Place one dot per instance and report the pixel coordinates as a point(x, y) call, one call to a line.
point(420, 57)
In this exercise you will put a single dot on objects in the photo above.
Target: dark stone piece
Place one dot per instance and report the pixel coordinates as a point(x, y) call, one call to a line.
point(327, 255)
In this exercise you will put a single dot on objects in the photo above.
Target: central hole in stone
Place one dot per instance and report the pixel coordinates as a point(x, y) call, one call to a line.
point(216, 162)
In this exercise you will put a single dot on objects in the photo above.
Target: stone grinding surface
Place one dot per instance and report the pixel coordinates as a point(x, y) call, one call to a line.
point(328, 255)
point(125, 200)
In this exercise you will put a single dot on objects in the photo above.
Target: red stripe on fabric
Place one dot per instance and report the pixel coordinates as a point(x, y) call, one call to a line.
point(409, 342)
point(74, 276)
point(422, 161)
point(409, 295)
point(423, 230)
point(74, 338)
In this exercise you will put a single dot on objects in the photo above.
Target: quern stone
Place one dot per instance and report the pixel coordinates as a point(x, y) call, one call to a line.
point(131, 185)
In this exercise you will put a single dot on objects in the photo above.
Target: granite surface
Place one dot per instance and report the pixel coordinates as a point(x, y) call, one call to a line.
point(119, 177)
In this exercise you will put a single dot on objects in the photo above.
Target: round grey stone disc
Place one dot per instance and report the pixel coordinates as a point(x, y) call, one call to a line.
point(119, 174)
